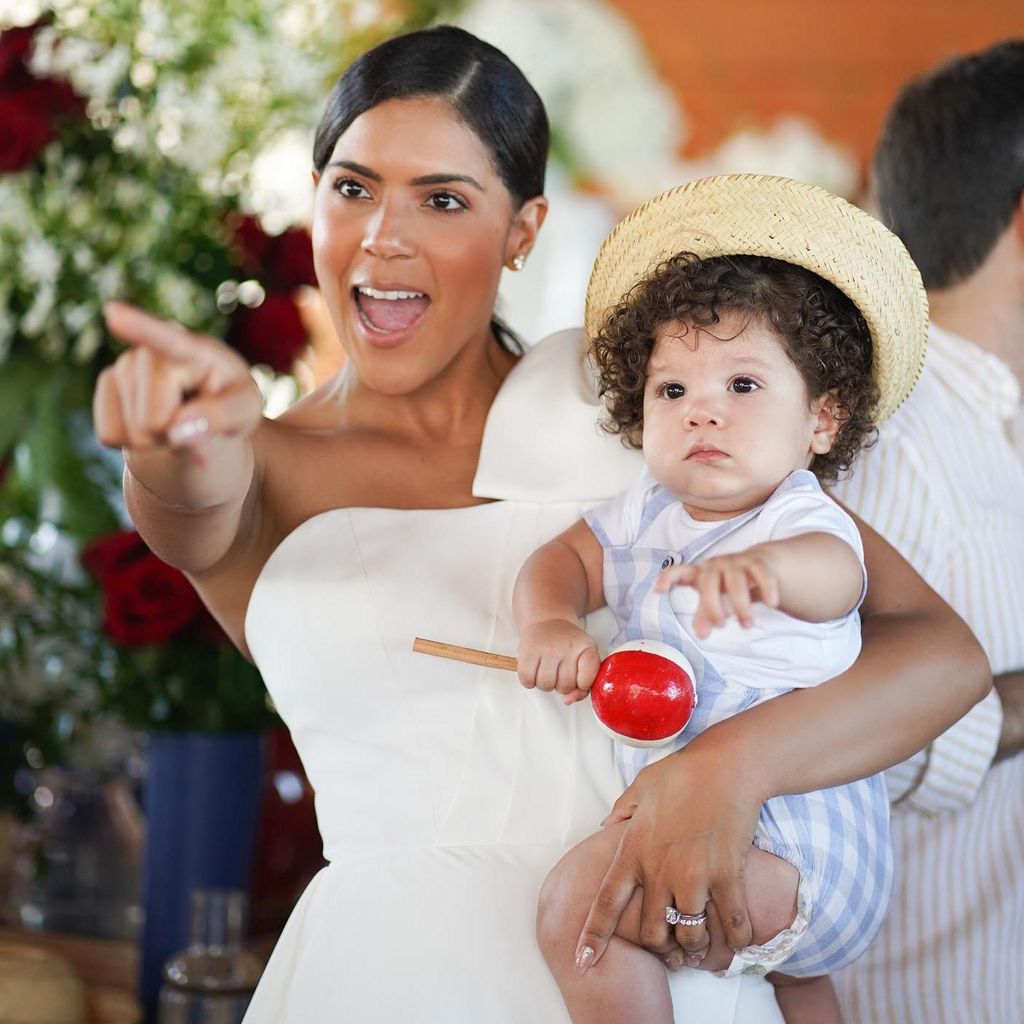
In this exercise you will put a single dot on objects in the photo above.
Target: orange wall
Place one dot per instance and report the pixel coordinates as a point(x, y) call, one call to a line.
point(838, 62)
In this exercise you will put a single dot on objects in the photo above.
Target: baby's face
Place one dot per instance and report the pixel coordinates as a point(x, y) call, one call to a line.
point(727, 417)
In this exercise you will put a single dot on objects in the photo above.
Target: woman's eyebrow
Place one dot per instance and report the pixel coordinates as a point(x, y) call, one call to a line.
point(351, 165)
point(445, 179)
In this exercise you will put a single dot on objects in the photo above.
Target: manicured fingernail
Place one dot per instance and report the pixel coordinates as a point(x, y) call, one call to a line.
point(183, 432)
point(584, 957)
point(673, 963)
point(693, 959)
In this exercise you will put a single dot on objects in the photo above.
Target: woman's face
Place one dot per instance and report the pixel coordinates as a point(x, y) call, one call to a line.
point(411, 228)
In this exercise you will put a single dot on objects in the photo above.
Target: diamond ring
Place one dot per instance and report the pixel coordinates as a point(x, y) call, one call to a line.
point(673, 917)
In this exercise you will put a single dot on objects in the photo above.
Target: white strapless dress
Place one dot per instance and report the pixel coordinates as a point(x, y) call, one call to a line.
point(444, 792)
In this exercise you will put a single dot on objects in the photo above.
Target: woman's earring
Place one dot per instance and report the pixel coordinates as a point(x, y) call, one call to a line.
point(518, 262)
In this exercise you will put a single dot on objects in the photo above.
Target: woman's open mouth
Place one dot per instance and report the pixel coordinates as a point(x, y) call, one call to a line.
point(389, 313)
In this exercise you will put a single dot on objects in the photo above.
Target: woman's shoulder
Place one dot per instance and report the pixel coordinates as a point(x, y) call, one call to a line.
point(543, 440)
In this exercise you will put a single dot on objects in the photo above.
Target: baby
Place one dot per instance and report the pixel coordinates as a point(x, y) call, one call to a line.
point(747, 380)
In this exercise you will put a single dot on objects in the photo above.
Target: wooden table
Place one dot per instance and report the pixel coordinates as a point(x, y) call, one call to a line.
point(98, 961)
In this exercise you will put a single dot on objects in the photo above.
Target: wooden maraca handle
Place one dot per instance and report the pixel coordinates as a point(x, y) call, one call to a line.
point(466, 654)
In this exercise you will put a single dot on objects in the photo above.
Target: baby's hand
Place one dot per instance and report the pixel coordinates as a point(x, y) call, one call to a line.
point(558, 655)
point(737, 580)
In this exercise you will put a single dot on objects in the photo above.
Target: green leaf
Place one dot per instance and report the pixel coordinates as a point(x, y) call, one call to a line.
point(20, 380)
point(54, 469)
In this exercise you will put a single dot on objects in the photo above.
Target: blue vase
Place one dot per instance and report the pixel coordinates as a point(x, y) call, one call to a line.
point(201, 801)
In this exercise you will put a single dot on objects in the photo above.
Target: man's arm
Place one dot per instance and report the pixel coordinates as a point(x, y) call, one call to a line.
point(891, 490)
point(1010, 687)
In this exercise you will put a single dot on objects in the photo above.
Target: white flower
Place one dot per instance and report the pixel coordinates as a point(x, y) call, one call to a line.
point(98, 77)
point(16, 213)
point(180, 297)
point(40, 260)
point(109, 281)
point(792, 147)
point(20, 12)
point(281, 189)
point(87, 342)
point(37, 316)
point(83, 259)
point(621, 124)
point(75, 316)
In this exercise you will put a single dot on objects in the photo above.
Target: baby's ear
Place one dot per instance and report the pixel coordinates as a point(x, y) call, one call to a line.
point(829, 419)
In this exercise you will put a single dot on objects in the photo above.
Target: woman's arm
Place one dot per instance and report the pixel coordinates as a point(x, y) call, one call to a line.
point(692, 815)
point(183, 408)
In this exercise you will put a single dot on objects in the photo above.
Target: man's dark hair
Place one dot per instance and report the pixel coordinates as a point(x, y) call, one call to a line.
point(949, 167)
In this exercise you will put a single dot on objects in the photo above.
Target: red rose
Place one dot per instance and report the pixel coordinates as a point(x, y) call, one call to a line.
point(290, 261)
point(24, 130)
point(14, 46)
point(272, 333)
point(145, 601)
point(282, 262)
point(252, 244)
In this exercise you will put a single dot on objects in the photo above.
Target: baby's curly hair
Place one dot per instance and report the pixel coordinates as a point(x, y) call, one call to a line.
point(822, 330)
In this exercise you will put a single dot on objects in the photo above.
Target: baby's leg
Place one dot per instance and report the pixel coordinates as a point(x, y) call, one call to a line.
point(627, 983)
point(806, 1000)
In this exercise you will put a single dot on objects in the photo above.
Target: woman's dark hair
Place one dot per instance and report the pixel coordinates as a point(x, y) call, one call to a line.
point(949, 166)
point(485, 90)
point(822, 330)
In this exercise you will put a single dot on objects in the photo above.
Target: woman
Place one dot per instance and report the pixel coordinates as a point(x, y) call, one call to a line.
point(401, 498)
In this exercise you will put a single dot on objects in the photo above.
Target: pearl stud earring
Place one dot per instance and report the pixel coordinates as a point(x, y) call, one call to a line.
point(518, 262)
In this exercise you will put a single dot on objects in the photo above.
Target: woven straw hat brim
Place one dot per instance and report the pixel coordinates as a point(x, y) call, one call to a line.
point(761, 215)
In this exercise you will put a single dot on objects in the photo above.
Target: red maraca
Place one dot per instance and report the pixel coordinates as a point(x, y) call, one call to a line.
point(644, 693)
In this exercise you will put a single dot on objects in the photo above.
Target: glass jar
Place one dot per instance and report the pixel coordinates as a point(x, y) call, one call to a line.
point(212, 981)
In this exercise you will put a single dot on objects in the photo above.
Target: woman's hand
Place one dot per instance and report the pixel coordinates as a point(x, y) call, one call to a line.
point(171, 389)
point(691, 821)
point(558, 655)
point(183, 407)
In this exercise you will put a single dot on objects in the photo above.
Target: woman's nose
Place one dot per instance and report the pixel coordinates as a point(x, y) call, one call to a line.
point(387, 234)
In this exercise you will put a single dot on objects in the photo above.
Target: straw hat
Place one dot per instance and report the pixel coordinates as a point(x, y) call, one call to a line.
point(759, 215)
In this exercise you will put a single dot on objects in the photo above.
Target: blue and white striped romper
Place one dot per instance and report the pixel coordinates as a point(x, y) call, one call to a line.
point(837, 838)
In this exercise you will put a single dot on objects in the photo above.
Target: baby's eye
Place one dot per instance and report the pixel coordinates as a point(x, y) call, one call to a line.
point(744, 385)
point(446, 201)
point(671, 391)
point(350, 188)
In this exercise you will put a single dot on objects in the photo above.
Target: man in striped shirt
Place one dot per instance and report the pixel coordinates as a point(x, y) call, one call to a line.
point(945, 485)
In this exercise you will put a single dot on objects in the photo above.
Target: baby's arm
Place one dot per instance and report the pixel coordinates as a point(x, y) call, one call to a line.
point(814, 576)
point(560, 582)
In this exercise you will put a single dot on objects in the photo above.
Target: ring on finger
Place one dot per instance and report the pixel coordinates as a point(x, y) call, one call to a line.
point(674, 917)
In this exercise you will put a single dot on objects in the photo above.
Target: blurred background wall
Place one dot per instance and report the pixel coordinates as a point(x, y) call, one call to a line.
point(837, 62)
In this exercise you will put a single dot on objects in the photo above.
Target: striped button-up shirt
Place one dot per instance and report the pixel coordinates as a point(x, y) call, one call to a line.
point(945, 486)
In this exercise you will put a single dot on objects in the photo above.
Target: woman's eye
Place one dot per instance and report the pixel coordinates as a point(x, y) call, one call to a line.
point(350, 188)
point(743, 385)
point(672, 390)
point(446, 201)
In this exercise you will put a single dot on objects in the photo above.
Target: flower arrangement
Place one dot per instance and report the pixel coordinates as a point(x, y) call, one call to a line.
point(614, 123)
point(128, 137)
